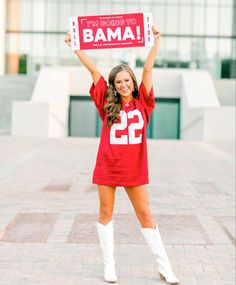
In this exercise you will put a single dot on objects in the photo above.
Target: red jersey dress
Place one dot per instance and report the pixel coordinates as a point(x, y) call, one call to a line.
point(122, 154)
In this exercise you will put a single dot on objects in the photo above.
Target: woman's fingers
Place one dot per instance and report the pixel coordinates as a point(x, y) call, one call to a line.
point(156, 31)
point(67, 39)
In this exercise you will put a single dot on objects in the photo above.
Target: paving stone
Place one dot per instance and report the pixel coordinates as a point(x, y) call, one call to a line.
point(29, 227)
point(57, 187)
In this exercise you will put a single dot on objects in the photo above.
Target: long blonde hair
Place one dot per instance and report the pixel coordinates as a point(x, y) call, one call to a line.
point(114, 103)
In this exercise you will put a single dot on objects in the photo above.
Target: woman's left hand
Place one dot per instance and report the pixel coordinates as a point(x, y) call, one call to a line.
point(156, 32)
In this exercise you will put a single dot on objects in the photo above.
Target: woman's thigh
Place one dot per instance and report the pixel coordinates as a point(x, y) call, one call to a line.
point(139, 198)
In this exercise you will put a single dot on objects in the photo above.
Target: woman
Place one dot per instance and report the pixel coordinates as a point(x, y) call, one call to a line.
point(125, 110)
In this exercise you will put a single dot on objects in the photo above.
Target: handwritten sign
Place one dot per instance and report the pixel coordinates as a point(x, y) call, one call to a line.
point(111, 31)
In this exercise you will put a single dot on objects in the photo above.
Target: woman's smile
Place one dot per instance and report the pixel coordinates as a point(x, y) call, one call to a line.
point(124, 85)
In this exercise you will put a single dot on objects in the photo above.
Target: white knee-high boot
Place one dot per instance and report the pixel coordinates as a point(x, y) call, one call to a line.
point(105, 234)
point(154, 241)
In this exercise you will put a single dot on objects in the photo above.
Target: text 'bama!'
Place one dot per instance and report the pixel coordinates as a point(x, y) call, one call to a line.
point(109, 34)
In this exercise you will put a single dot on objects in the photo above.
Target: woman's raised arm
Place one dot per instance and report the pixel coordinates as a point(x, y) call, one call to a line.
point(85, 60)
point(147, 69)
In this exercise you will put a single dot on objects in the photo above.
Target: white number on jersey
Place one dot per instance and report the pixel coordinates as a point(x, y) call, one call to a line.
point(120, 126)
point(130, 138)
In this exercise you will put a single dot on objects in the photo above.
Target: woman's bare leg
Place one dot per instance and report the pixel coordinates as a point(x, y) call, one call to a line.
point(139, 198)
point(105, 230)
point(106, 199)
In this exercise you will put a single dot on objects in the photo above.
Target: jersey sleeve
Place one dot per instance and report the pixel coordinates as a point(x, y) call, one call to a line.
point(147, 101)
point(98, 93)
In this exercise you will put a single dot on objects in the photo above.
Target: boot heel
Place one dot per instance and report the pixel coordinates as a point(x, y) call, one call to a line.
point(162, 277)
point(154, 241)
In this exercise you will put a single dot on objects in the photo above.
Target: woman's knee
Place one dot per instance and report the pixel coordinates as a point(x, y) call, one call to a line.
point(107, 197)
point(145, 218)
point(106, 214)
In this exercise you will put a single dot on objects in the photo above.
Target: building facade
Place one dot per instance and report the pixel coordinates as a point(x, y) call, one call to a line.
point(197, 34)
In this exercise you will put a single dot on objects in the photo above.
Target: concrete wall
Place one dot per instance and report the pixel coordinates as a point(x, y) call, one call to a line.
point(30, 119)
point(46, 115)
point(13, 88)
point(226, 91)
point(198, 93)
point(202, 117)
point(219, 123)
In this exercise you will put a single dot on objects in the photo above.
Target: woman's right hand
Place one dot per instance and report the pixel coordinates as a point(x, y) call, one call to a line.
point(67, 39)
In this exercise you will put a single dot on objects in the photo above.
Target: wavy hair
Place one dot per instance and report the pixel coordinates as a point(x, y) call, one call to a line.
point(114, 103)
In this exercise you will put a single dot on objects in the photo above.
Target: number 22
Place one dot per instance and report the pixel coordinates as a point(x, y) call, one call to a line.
point(130, 138)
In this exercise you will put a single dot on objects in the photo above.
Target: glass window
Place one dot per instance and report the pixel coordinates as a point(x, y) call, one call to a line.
point(65, 13)
point(91, 9)
point(78, 9)
point(13, 42)
point(227, 2)
point(197, 48)
point(52, 17)
point(210, 2)
point(233, 49)
point(172, 50)
point(51, 46)
point(25, 44)
point(25, 16)
point(198, 2)
point(38, 16)
point(118, 8)
point(185, 46)
point(198, 20)
point(211, 47)
point(134, 8)
point(105, 8)
point(172, 20)
point(185, 20)
point(64, 50)
point(225, 48)
point(38, 48)
point(159, 16)
point(149, 2)
point(159, 2)
point(212, 20)
point(145, 8)
point(226, 21)
point(172, 2)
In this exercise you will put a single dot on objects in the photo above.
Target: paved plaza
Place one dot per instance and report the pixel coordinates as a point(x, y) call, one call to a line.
point(48, 209)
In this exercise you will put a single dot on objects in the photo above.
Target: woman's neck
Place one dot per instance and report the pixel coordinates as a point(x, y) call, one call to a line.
point(127, 99)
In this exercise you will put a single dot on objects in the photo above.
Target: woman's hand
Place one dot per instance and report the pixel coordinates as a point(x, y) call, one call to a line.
point(67, 39)
point(156, 32)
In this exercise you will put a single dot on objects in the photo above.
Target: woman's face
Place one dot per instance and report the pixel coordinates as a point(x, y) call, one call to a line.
point(124, 84)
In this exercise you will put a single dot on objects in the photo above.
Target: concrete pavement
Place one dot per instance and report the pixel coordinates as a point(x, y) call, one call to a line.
point(48, 209)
